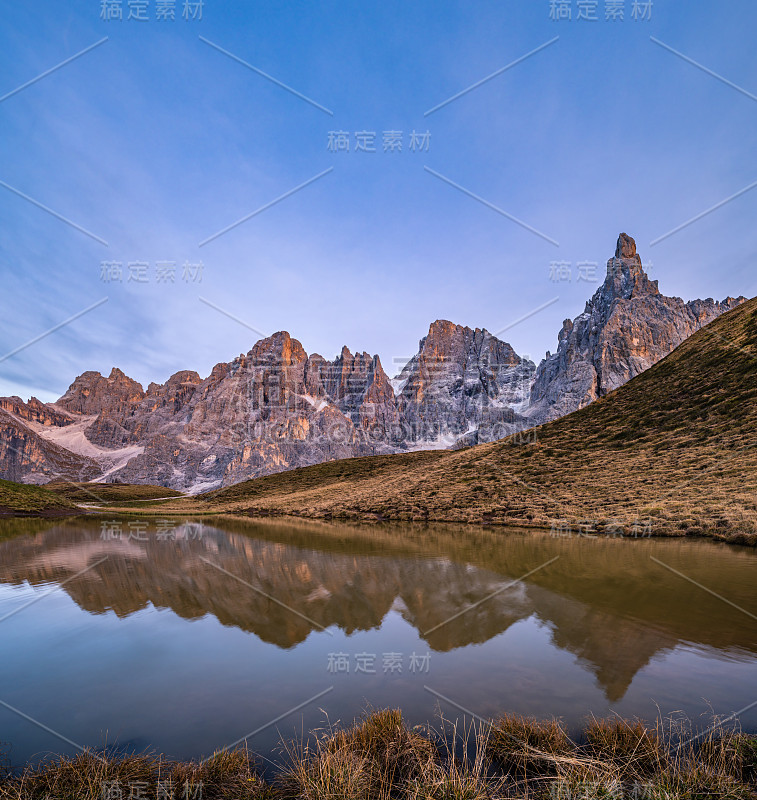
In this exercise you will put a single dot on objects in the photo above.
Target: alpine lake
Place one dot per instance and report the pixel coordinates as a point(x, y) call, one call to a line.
point(182, 637)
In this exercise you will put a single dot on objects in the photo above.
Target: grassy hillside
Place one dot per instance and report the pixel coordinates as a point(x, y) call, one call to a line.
point(109, 492)
point(18, 498)
point(672, 452)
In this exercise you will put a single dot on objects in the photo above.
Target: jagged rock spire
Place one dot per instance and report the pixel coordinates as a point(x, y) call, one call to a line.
point(626, 327)
point(626, 247)
point(625, 275)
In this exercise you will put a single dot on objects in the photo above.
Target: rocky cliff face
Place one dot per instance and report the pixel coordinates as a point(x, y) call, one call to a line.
point(90, 393)
point(28, 455)
point(462, 383)
point(277, 408)
point(626, 327)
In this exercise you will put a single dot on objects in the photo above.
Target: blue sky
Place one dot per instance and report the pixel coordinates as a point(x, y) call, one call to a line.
point(155, 140)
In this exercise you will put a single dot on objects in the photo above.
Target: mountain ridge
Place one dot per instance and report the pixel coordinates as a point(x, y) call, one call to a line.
point(277, 408)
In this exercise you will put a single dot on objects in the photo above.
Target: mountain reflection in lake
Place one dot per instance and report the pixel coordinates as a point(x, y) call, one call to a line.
point(183, 637)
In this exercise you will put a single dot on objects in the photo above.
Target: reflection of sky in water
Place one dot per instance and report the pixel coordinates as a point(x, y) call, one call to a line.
point(153, 679)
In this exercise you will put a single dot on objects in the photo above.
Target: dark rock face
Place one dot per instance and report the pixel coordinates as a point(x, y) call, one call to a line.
point(358, 386)
point(277, 408)
point(625, 328)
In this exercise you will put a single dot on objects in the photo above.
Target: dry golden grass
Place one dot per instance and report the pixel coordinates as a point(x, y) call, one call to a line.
point(364, 761)
point(379, 758)
point(529, 746)
point(89, 776)
point(634, 749)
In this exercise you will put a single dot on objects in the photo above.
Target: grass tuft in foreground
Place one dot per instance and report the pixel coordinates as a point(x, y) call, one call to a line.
point(379, 757)
point(89, 776)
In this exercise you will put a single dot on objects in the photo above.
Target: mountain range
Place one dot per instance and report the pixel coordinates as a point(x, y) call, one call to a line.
point(277, 408)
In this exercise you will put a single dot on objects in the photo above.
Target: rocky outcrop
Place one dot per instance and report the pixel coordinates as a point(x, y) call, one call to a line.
point(361, 390)
point(462, 382)
point(626, 327)
point(34, 411)
point(90, 393)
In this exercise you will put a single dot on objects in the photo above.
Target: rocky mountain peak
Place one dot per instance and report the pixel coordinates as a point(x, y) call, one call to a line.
point(121, 379)
point(175, 392)
point(443, 327)
point(625, 277)
point(447, 340)
point(626, 327)
point(626, 246)
point(462, 383)
point(442, 333)
point(566, 330)
point(91, 393)
point(279, 349)
point(184, 376)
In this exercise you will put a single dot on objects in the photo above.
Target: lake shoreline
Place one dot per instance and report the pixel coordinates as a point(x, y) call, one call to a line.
point(737, 538)
point(46, 513)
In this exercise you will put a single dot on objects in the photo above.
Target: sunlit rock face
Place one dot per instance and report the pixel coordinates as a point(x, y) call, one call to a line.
point(626, 327)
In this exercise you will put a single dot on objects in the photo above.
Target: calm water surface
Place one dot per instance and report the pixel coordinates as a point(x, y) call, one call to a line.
point(184, 637)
